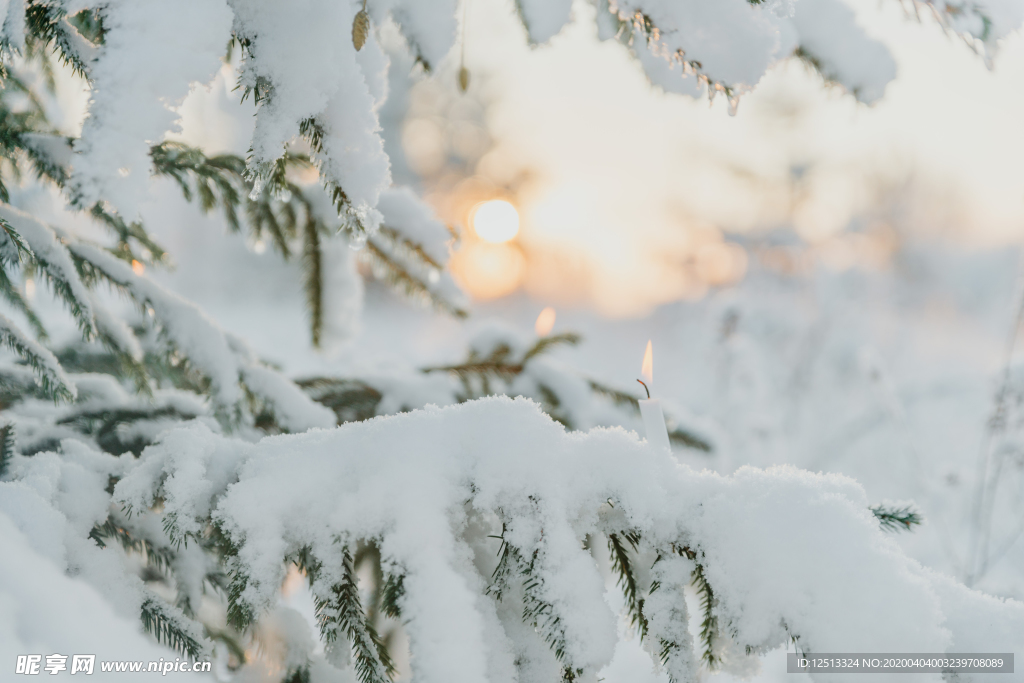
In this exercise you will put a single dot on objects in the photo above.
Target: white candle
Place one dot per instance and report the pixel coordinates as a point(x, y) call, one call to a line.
point(650, 408)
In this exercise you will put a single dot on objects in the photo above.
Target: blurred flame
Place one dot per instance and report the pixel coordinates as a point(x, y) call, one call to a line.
point(545, 322)
point(647, 369)
point(138, 267)
point(488, 271)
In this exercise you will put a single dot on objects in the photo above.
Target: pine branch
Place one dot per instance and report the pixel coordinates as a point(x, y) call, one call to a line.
point(618, 397)
point(537, 612)
point(391, 594)
point(8, 447)
point(897, 518)
point(709, 622)
point(339, 610)
point(350, 399)
point(483, 368)
point(542, 615)
point(623, 566)
point(681, 437)
point(407, 248)
point(217, 179)
point(126, 232)
point(64, 288)
point(171, 627)
point(388, 268)
point(158, 558)
point(13, 294)
point(509, 561)
point(240, 614)
point(544, 344)
point(12, 246)
point(104, 424)
point(46, 25)
point(313, 277)
point(48, 372)
point(677, 435)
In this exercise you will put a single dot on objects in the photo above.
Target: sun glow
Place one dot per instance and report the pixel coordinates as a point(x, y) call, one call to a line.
point(495, 221)
point(488, 271)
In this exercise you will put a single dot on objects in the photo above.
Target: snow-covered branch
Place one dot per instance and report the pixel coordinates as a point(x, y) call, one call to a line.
point(434, 487)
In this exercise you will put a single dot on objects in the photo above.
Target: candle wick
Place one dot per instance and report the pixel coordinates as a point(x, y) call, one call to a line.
point(645, 388)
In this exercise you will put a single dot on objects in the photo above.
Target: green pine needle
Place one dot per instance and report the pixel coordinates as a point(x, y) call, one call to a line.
point(897, 518)
point(623, 567)
point(169, 627)
point(8, 447)
point(340, 612)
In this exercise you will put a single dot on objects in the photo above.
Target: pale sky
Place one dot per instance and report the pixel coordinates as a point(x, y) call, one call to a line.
point(626, 182)
point(625, 176)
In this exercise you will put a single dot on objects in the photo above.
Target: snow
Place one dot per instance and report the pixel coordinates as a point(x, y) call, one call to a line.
point(544, 18)
point(733, 41)
point(13, 12)
point(785, 550)
point(829, 33)
point(47, 612)
point(223, 360)
point(48, 367)
point(415, 221)
point(151, 55)
point(430, 28)
point(326, 84)
point(54, 259)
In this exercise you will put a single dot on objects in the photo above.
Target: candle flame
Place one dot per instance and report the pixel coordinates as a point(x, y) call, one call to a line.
point(647, 369)
point(545, 322)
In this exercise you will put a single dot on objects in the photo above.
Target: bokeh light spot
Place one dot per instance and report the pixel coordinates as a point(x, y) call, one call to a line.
point(545, 322)
point(495, 221)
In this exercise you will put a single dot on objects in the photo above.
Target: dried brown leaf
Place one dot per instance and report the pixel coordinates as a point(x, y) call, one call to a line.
point(360, 29)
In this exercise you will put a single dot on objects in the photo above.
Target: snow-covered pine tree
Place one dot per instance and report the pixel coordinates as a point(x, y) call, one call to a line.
point(138, 460)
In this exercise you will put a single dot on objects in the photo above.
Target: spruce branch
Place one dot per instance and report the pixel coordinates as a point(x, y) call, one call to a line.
point(104, 424)
point(171, 627)
point(281, 209)
point(622, 565)
point(676, 434)
point(350, 399)
point(537, 612)
point(8, 447)
point(407, 248)
point(49, 374)
point(391, 594)
point(339, 611)
point(709, 622)
point(153, 556)
point(687, 439)
point(240, 614)
point(12, 246)
point(47, 26)
point(509, 561)
point(13, 294)
point(897, 517)
point(313, 276)
point(544, 344)
point(388, 267)
point(126, 232)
